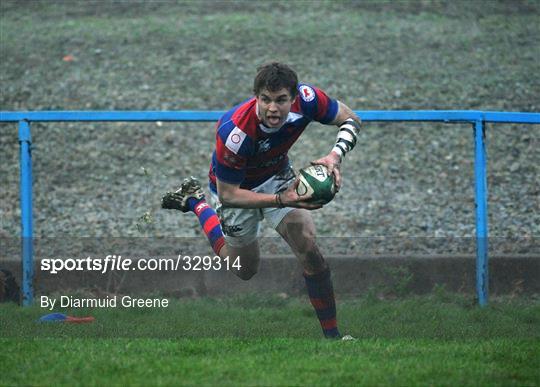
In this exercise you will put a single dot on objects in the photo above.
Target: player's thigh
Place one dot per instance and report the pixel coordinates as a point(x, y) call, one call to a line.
point(298, 230)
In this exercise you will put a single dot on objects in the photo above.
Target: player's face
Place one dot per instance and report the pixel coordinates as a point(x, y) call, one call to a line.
point(274, 107)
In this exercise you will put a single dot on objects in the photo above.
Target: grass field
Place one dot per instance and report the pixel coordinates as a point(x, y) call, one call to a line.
point(442, 339)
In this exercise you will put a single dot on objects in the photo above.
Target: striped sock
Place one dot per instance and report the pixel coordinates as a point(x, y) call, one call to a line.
point(209, 222)
point(321, 296)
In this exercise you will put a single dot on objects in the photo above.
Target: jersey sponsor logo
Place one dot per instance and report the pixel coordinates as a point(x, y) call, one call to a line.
point(263, 145)
point(307, 93)
point(235, 140)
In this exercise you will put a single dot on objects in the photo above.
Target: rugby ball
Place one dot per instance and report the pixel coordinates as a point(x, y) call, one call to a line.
point(315, 181)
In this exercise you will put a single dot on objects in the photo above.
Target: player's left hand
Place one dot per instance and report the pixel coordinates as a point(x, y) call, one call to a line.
point(332, 162)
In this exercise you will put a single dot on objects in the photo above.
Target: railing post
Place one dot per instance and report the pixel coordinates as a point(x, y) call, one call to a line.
point(481, 213)
point(25, 142)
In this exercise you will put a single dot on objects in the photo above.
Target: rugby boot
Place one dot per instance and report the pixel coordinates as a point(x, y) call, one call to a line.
point(178, 200)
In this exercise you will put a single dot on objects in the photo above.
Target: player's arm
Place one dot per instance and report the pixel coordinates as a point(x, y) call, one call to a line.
point(349, 125)
point(232, 195)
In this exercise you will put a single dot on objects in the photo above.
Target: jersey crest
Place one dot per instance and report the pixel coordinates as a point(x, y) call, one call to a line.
point(306, 93)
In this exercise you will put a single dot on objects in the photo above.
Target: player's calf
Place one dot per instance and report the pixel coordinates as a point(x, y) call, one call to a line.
point(321, 295)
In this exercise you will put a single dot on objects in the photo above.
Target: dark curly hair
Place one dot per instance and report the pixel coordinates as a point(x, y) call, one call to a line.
point(274, 76)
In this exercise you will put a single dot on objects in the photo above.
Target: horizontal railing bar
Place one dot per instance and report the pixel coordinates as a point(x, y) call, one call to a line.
point(214, 115)
point(420, 115)
point(183, 115)
point(508, 117)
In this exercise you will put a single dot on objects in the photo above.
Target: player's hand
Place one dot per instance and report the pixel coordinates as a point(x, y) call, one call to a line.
point(290, 198)
point(332, 162)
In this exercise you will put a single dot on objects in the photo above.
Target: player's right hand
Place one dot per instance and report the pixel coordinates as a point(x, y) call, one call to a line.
point(290, 198)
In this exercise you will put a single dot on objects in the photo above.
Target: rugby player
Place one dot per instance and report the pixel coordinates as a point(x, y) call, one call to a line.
point(251, 179)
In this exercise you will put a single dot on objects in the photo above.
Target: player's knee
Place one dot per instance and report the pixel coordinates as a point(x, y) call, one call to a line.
point(307, 246)
point(246, 274)
point(248, 266)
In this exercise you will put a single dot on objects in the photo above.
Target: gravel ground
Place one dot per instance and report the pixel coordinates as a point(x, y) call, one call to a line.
point(406, 184)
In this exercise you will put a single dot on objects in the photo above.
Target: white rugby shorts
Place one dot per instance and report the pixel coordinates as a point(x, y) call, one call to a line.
point(241, 225)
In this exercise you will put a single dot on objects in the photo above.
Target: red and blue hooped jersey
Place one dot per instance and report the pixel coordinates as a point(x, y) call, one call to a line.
point(247, 153)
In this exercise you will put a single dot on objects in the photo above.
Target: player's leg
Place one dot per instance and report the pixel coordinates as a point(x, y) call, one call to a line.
point(240, 236)
point(298, 230)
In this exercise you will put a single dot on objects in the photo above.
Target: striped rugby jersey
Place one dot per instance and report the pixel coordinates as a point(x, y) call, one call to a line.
point(248, 153)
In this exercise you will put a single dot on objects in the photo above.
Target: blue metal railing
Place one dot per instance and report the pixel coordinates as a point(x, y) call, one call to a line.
point(476, 118)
